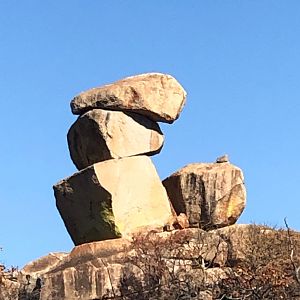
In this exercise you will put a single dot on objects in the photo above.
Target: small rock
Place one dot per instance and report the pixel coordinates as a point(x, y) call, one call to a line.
point(182, 221)
point(222, 159)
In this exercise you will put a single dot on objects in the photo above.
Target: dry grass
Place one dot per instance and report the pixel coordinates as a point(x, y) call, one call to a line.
point(174, 268)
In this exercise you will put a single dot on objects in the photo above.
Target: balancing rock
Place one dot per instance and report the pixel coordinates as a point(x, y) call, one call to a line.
point(112, 199)
point(212, 195)
point(100, 135)
point(157, 96)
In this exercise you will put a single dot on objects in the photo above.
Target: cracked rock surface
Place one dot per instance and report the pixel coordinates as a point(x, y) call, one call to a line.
point(111, 199)
point(212, 195)
point(157, 96)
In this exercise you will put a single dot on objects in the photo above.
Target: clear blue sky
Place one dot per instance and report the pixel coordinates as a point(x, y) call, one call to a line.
point(238, 60)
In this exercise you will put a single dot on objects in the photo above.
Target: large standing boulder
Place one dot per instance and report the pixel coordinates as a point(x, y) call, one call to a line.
point(212, 195)
point(158, 96)
point(112, 199)
point(100, 135)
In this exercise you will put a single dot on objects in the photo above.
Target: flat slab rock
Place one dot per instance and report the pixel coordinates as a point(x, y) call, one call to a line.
point(112, 199)
point(157, 96)
point(99, 135)
point(212, 195)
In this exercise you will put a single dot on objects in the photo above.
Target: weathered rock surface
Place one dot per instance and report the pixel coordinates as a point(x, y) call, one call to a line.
point(158, 96)
point(100, 135)
point(111, 268)
point(212, 195)
point(43, 264)
point(112, 199)
point(98, 269)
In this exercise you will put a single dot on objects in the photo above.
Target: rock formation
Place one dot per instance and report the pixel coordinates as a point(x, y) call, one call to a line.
point(118, 192)
point(207, 264)
point(112, 199)
point(157, 96)
point(212, 195)
point(99, 135)
point(136, 236)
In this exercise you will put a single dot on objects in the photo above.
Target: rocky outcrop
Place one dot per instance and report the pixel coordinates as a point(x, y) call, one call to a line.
point(137, 237)
point(190, 263)
point(157, 96)
point(101, 267)
point(44, 264)
point(98, 269)
point(117, 191)
point(212, 195)
point(99, 135)
point(111, 199)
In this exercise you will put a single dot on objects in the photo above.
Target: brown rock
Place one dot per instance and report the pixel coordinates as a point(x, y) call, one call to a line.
point(107, 248)
point(158, 96)
point(203, 259)
point(211, 195)
point(44, 264)
point(183, 221)
point(177, 222)
point(9, 289)
point(112, 199)
point(98, 269)
point(100, 135)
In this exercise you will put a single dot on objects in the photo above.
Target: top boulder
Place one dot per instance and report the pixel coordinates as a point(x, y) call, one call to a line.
point(157, 96)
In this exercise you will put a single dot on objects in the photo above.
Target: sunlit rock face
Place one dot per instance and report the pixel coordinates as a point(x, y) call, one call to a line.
point(99, 135)
point(212, 195)
point(112, 199)
point(118, 191)
point(157, 96)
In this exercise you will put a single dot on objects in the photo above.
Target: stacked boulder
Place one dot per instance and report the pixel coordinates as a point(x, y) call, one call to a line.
point(117, 190)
